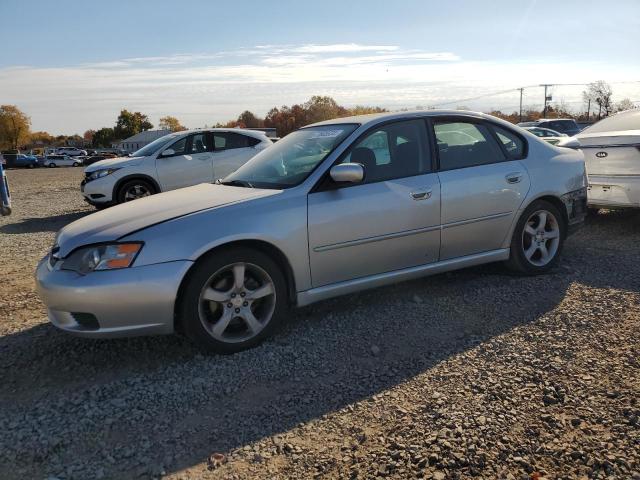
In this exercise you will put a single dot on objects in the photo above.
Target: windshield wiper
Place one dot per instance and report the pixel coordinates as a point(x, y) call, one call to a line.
point(236, 183)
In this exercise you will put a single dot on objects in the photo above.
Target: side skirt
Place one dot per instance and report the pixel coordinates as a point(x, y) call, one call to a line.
point(349, 286)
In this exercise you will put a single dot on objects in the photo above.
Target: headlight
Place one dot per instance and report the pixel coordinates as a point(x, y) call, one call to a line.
point(102, 257)
point(101, 173)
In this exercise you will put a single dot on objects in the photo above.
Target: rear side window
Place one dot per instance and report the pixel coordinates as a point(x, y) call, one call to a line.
point(230, 140)
point(512, 143)
point(465, 144)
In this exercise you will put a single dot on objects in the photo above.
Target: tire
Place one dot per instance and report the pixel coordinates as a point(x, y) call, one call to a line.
point(527, 255)
point(31, 165)
point(52, 165)
point(75, 164)
point(127, 189)
point(220, 325)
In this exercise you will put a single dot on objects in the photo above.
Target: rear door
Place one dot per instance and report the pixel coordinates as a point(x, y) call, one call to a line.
point(190, 164)
point(483, 184)
point(231, 151)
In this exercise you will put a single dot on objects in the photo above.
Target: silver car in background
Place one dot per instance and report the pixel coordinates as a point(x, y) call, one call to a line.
point(331, 209)
point(612, 153)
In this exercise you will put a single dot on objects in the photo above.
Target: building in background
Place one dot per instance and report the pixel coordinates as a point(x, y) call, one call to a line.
point(139, 140)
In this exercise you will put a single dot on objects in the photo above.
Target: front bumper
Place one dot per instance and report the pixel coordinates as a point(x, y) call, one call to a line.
point(97, 192)
point(108, 304)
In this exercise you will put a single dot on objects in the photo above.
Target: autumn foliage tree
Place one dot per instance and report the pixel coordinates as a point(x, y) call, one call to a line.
point(129, 123)
point(171, 123)
point(14, 127)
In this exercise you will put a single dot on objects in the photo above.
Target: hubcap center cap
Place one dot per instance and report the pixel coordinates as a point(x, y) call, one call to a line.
point(237, 301)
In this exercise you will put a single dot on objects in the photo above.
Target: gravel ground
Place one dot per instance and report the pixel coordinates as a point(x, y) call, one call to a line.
point(472, 374)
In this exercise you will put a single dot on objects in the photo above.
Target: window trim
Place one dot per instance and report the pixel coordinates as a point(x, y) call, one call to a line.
point(325, 183)
point(489, 125)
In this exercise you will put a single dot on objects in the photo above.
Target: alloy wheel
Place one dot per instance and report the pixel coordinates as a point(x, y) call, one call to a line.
point(237, 302)
point(541, 238)
point(136, 191)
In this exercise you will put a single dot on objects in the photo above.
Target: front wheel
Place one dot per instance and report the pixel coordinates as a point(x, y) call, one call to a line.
point(52, 165)
point(538, 239)
point(134, 189)
point(76, 164)
point(233, 300)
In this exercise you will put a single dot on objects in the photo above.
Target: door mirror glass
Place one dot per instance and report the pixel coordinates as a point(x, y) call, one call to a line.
point(168, 152)
point(347, 173)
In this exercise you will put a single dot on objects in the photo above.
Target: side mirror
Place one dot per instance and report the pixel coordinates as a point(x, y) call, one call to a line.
point(569, 142)
point(347, 173)
point(168, 152)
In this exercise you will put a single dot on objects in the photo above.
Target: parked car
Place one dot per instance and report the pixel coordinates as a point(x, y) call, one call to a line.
point(546, 134)
point(612, 153)
point(22, 160)
point(61, 161)
point(330, 209)
point(70, 151)
point(96, 158)
point(561, 125)
point(174, 161)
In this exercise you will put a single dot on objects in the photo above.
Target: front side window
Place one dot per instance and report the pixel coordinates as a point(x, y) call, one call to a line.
point(465, 144)
point(290, 161)
point(393, 151)
point(513, 144)
point(198, 144)
point(179, 147)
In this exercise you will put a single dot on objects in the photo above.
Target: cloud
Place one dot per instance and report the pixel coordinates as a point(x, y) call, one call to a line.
point(205, 87)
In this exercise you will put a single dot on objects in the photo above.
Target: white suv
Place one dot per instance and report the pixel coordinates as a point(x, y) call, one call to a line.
point(71, 151)
point(174, 161)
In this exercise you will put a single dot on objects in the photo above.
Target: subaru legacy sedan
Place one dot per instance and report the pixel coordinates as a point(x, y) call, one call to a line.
point(330, 209)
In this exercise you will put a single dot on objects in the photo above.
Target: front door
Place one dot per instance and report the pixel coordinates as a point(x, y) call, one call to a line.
point(390, 221)
point(190, 163)
point(483, 185)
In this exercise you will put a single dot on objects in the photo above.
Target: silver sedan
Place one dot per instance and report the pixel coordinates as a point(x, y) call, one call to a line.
point(330, 209)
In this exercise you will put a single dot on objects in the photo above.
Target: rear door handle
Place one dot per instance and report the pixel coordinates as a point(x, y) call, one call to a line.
point(515, 177)
point(421, 195)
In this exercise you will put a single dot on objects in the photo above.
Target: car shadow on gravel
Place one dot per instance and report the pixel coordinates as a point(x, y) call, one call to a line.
point(135, 407)
point(42, 224)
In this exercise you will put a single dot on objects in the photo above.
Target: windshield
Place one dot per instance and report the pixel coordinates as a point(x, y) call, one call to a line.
point(290, 161)
point(153, 147)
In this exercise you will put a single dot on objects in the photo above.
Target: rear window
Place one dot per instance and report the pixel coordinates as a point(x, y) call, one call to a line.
point(629, 120)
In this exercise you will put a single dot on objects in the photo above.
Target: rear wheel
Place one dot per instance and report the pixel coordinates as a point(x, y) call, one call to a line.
point(233, 300)
point(538, 239)
point(134, 189)
point(52, 165)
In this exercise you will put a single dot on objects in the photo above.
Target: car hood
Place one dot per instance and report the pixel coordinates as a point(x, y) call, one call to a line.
point(115, 222)
point(118, 162)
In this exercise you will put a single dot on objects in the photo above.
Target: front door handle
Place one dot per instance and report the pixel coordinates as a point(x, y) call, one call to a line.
point(515, 177)
point(421, 195)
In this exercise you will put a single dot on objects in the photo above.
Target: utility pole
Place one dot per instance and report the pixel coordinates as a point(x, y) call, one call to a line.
point(588, 110)
point(521, 89)
point(546, 98)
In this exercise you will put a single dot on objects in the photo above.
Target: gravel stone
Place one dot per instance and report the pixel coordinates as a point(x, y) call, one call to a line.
point(487, 375)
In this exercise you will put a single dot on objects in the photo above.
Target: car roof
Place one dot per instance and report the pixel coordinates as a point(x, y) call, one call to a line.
point(374, 118)
point(251, 133)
